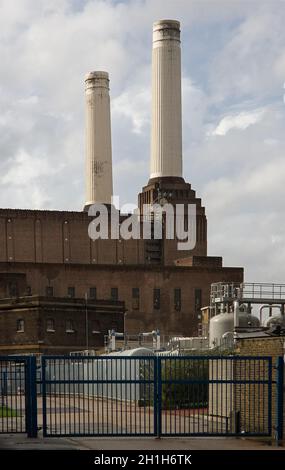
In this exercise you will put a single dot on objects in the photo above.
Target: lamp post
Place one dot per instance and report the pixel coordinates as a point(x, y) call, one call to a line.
point(86, 323)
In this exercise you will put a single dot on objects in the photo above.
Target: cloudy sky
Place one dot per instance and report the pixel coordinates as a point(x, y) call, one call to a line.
point(233, 110)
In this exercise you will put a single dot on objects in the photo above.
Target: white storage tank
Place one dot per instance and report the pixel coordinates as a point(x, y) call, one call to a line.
point(224, 323)
point(277, 319)
point(113, 366)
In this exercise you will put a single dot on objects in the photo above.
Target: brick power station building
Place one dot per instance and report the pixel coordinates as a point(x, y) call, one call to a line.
point(53, 276)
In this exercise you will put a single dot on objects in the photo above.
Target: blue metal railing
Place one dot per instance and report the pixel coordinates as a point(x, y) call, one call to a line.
point(141, 396)
point(185, 395)
point(18, 398)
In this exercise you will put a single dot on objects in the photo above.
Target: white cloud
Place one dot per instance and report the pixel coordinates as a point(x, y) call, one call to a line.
point(238, 121)
point(233, 67)
point(135, 105)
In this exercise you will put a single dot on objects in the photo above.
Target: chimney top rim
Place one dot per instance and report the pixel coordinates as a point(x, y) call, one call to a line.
point(167, 24)
point(97, 74)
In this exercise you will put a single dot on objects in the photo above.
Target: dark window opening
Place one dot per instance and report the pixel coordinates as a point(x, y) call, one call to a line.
point(93, 293)
point(156, 299)
point(136, 298)
point(69, 326)
point(71, 292)
point(96, 327)
point(20, 325)
point(13, 289)
point(28, 290)
point(50, 324)
point(177, 299)
point(198, 301)
point(114, 293)
point(49, 291)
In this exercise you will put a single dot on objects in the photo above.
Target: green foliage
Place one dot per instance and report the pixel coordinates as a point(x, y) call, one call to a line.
point(6, 412)
point(185, 383)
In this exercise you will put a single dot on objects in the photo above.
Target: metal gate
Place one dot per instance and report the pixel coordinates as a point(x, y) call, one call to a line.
point(157, 396)
point(99, 396)
point(18, 412)
point(215, 396)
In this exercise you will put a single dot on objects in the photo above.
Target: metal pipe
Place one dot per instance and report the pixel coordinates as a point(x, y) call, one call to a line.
point(236, 314)
point(86, 323)
point(270, 307)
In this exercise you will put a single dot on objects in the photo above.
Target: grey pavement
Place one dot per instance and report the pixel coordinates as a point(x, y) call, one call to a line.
point(21, 442)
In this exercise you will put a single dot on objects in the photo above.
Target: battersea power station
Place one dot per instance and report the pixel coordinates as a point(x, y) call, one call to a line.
point(62, 290)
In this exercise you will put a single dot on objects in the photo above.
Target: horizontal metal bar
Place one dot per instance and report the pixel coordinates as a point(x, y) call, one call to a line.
point(152, 358)
point(113, 434)
point(94, 382)
point(97, 358)
point(14, 359)
point(215, 434)
point(224, 358)
point(213, 381)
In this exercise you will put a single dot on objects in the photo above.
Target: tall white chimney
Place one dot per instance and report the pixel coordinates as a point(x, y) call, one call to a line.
point(99, 180)
point(166, 130)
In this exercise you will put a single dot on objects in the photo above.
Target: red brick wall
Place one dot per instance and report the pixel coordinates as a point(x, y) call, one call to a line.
point(170, 321)
point(36, 311)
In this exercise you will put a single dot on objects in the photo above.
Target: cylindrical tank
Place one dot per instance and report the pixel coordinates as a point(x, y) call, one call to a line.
point(224, 322)
point(277, 319)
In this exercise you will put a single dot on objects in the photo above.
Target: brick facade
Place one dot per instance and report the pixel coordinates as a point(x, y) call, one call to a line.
point(50, 253)
point(141, 314)
point(41, 325)
point(254, 402)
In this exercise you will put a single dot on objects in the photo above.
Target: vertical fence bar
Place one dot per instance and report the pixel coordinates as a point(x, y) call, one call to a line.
point(31, 397)
point(279, 398)
point(158, 397)
point(155, 395)
point(44, 391)
point(269, 378)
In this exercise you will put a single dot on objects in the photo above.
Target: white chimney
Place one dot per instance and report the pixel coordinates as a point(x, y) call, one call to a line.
point(99, 180)
point(166, 130)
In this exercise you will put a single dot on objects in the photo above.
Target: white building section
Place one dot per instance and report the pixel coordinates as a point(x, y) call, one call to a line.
point(99, 180)
point(166, 130)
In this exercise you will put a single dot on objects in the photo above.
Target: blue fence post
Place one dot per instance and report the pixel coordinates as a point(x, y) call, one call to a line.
point(155, 395)
point(31, 397)
point(159, 397)
point(44, 395)
point(279, 398)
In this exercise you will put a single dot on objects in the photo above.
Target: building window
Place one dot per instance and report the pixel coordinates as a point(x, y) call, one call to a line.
point(13, 289)
point(69, 327)
point(114, 293)
point(28, 290)
point(96, 328)
point(50, 325)
point(20, 326)
point(71, 292)
point(198, 301)
point(49, 291)
point(177, 299)
point(156, 299)
point(135, 298)
point(93, 293)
